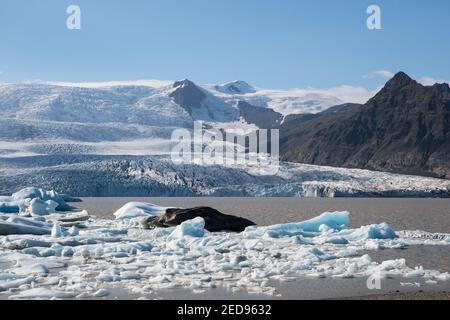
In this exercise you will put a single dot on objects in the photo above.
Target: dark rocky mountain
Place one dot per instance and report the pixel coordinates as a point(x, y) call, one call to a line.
point(264, 118)
point(403, 129)
point(188, 95)
point(297, 119)
point(200, 104)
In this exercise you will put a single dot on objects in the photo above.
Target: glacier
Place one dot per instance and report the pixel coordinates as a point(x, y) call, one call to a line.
point(114, 139)
point(105, 254)
point(110, 175)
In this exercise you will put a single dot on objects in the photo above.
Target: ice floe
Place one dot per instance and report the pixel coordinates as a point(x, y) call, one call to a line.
point(35, 202)
point(68, 262)
point(139, 209)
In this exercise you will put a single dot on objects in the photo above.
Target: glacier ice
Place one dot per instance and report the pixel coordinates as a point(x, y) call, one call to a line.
point(38, 193)
point(40, 207)
point(65, 263)
point(139, 209)
point(332, 220)
point(35, 201)
point(193, 228)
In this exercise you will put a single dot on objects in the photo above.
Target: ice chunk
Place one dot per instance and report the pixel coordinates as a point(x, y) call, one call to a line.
point(40, 269)
point(193, 228)
point(44, 195)
point(14, 228)
point(139, 209)
point(56, 230)
point(6, 285)
point(51, 206)
point(375, 231)
point(43, 293)
point(11, 206)
point(28, 222)
point(333, 220)
point(40, 207)
point(101, 293)
point(73, 231)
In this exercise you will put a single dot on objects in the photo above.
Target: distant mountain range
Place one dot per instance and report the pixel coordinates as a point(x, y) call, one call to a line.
point(405, 128)
point(114, 139)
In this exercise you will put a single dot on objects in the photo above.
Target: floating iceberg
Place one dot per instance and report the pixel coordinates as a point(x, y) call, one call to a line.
point(35, 201)
point(139, 209)
point(332, 220)
point(193, 228)
point(37, 193)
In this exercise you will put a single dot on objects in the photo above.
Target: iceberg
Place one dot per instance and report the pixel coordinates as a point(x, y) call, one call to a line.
point(193, 228)
point(40, 207)
point(376, 231)
point(35, 201)
point(139, 209)
point(42, 293)
point(44, 195)
point(332, 220)
point(8, 228)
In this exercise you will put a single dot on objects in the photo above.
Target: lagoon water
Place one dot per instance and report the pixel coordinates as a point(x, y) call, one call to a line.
point(432, 215)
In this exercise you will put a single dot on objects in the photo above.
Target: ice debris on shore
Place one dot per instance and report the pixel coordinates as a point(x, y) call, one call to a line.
point(70, 262)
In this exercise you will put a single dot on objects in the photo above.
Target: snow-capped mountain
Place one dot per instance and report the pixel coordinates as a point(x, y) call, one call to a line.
point(149, 103)
point(128, 111)
point(114, 139)
point(235, 87)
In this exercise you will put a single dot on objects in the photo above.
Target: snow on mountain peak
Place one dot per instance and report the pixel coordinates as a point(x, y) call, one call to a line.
point(235, 87)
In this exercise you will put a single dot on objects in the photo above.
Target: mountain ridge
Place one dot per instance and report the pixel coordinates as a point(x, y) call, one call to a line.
point(404, 128)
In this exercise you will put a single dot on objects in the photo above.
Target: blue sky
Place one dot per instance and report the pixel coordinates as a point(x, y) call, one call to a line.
point(268, 43)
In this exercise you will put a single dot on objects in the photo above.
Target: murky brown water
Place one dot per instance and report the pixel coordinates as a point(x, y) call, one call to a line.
point(431, 215)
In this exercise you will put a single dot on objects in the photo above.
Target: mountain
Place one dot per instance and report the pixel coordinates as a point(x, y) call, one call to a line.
point(128, 111)
point(200, 104)
point(403, 129)
point(261, 117)
point(235, 87)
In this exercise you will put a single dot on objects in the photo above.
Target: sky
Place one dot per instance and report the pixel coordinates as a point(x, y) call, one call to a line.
point(276, 44)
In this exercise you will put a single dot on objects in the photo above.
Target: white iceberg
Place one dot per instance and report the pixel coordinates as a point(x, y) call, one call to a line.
point(42, 293)
point(35, 200)
point(40, 207)
point(193, 228)
point(139, 209)
point(333, 220)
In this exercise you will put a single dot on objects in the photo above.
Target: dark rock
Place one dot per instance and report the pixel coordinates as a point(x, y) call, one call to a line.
point(214, 220)
point(263, 118)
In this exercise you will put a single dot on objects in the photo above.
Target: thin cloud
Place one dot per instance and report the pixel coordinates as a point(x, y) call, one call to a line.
point(429, 81)
point(149, 83)
point(380, 73)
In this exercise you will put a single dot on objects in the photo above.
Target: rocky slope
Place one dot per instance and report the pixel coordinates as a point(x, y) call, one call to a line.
point(405, 128)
